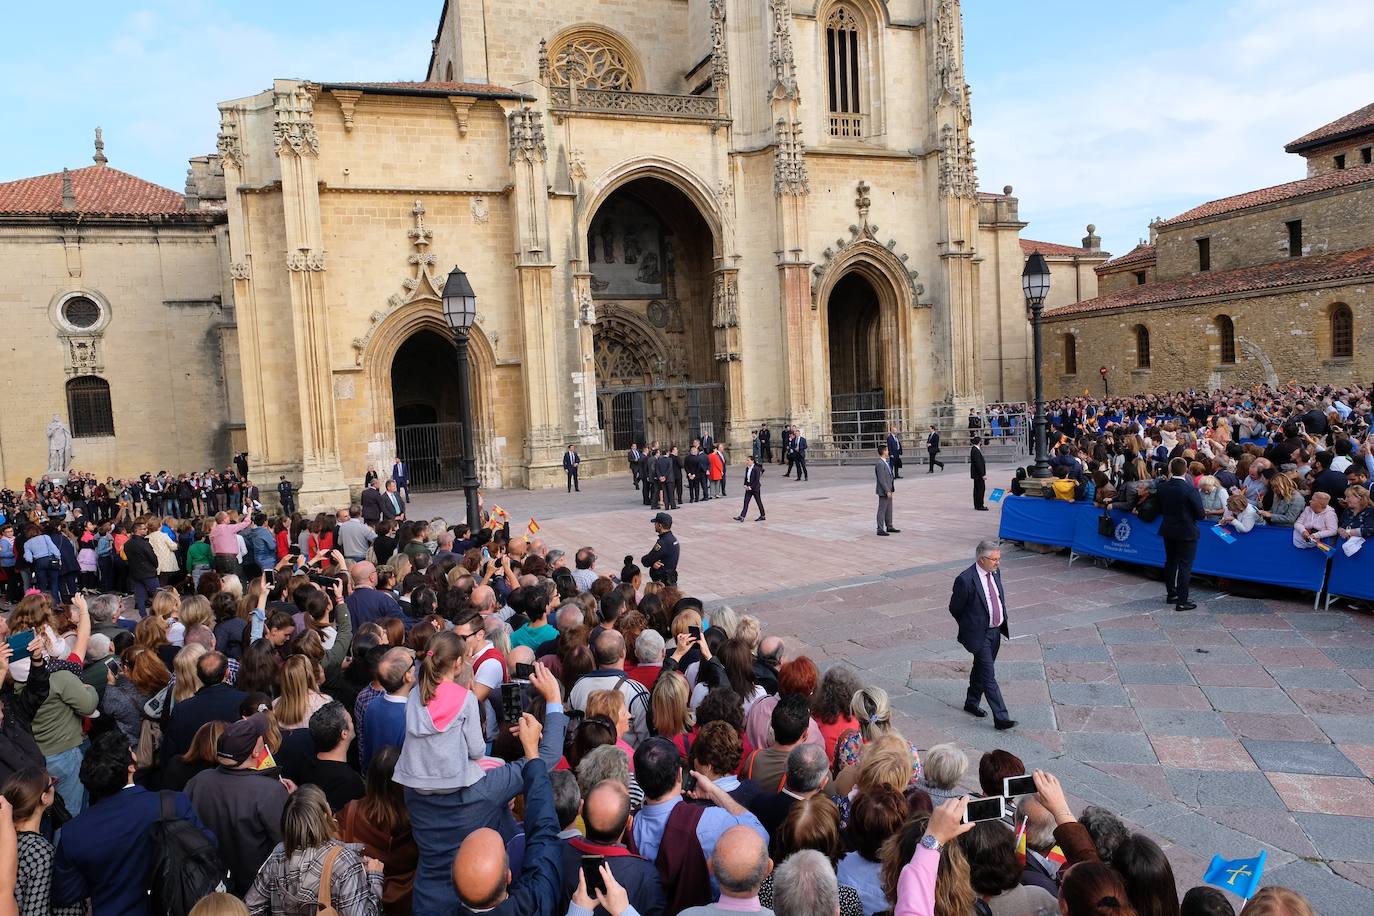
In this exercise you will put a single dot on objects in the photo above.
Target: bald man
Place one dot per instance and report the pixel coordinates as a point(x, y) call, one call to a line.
point(481, 869)
point(739, 864)
point(386, 715)
point(769, 659)
point(606, 815)
point(483, 600)
point(365, 603)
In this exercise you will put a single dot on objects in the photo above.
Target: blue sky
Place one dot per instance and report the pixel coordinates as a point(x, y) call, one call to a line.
point(1109, 113)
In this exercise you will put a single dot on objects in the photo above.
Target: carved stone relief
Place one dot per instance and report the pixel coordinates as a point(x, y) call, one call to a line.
point(789, 163)
point(293, 126)
point(527, 136)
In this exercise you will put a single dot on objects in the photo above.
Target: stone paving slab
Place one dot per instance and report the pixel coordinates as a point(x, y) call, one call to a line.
point(1247, 724)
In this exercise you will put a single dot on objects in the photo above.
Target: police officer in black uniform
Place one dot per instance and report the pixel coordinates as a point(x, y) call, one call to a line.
point(661, 561)
point(287, 496)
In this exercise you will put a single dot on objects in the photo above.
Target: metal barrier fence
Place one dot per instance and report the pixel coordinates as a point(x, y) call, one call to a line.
point(854, 435)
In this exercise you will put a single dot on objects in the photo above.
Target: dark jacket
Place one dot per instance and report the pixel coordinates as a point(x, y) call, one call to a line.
point(371, 503)
point(243, 807)
point(1180, 508)
point(665, 549)
point(141, 558)
point(977, 464)
point(636, 874)
point(538, 889)
point(753, 479)
point(968, 606)
point(216, 703)
point(106, 852)
point(18, 750)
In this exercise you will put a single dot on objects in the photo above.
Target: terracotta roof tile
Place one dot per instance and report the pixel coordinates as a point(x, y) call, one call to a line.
point(1341, 265)
point(1361, 119)
point(1142, 252)
point(1277, 193)
point(1050, 249)
point(99, 190)
point(431, 88)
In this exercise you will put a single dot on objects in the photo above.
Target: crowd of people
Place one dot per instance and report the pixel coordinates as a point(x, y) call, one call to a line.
point(358, 718)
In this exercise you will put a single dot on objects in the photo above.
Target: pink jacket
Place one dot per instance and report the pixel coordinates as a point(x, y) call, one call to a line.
point(916, 884)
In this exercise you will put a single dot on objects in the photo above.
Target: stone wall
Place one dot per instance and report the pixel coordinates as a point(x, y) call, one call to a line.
point(1279, 337)
point(1111, 281)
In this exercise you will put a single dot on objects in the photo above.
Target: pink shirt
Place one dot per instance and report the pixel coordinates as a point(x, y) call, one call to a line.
point(916, 885)
point(225, 538)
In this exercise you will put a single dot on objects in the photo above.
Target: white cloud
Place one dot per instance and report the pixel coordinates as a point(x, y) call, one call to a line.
point(1159, 130)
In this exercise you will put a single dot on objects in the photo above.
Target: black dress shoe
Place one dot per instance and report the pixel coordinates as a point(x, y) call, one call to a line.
point(761, 518)
point(981, 508)
point(976, 712)
point(882, 533)
point(894, 531)
point(1186, 606)
point(1003, 724)
point(739, 518)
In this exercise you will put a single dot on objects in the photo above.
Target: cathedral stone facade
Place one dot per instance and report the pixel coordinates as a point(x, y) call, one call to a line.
point(679, 216)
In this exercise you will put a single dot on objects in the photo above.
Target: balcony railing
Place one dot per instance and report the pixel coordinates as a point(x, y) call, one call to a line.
point(638, 104)
point(847, 124)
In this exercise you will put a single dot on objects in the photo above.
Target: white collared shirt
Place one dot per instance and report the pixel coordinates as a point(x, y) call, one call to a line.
point(983, 584)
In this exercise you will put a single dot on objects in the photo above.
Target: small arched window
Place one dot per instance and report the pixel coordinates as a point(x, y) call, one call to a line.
point(88, 407)
point(448, 72)
point(1226, 335)
point(1142, 347)
point(844, 51)
point(1070, 355)
point(1342, 332)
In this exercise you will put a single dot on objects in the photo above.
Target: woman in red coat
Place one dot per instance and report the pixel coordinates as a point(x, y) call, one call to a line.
point(716, 472)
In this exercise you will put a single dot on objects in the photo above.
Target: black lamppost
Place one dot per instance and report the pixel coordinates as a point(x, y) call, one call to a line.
point(1035, 282)
point(460, 309)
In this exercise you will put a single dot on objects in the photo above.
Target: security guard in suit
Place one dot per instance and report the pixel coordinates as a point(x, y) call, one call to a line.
point(287, 496)
point(661, 561)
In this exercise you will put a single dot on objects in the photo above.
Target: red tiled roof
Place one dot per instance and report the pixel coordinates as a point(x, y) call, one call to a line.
point(1277, 193)
point(1050, 249)
point(99, 190)
point(432, 88)
point(1361, 119)
point(1341, 265)
point(1142, 252)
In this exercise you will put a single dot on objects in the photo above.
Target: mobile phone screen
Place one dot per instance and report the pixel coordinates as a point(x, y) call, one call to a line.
point(510, 703)
point(591, 873)
point(1013, 786)
point(689, 782)
point(113, 666)
point(695, 631)
point(523, 670)
point(19, 644)
point(984, 809)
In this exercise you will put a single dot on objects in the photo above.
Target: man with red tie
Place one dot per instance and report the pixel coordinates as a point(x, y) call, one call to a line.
point(978, 603)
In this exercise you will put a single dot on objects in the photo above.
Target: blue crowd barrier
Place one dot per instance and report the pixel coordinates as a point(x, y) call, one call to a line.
point(1263, 554)
point(1352, 577)
point(1040, 521)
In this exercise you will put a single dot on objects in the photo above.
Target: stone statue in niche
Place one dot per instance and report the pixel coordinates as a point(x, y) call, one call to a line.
point(59, 447)
point(675, 325)
point(658, 314)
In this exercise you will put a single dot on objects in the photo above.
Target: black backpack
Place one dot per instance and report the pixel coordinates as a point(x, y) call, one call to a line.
point(186, 864)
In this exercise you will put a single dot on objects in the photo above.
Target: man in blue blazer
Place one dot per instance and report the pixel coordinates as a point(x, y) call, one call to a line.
point(106, 853)
point(978, 603)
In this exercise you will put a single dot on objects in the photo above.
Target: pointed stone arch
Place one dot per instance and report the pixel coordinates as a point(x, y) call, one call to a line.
point(379, 353)
point(666, 170)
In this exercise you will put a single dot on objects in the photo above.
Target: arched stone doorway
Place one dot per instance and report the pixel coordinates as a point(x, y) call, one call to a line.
point(651, 266)
point(427, 416)
point(865, 362)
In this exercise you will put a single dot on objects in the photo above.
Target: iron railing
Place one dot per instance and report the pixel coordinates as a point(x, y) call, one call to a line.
point(434, 453)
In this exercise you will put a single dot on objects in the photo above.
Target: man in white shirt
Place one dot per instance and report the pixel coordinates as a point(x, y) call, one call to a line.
point(585, 573)
point(489, 668)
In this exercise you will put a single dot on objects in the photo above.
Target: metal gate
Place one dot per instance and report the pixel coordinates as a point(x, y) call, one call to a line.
point(627, 419)
point(705, 406)
point(434, 452)
point(859, 420)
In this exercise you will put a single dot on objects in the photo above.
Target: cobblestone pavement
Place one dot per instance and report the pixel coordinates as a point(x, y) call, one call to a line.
point(1247, 724)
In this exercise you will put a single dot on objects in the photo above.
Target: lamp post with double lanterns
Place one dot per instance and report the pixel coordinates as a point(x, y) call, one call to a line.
point(1035, 283)
point(460, 310)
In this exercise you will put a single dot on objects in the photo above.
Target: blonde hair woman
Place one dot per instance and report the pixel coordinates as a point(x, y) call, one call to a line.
point(1288, 502)
point(195, 611)
point(167, 605)
point(300, 696)
point(184, 666)
point(673, 717)
point(1241, 514)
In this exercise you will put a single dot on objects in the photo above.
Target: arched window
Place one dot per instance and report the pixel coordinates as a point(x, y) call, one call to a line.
point(1226, 334)
point(845, 65)
point(448, 72)
point(1070, 355)
point(1142, 347)
point(1342, 332)
point(88, 407)
point(594, 59)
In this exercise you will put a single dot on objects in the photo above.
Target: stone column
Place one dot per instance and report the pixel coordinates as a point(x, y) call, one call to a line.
point(297, 147)
point(584, 375)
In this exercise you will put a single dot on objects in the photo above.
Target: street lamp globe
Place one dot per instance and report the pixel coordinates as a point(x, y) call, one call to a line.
point(1035, 280)
point(460, 302)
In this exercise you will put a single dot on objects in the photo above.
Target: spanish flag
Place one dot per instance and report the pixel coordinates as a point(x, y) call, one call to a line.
point(533, 527)
point(1021, 843)
point(498, 512)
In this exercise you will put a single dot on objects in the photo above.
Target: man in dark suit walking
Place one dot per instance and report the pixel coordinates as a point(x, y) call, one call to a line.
point(571, 462)
point(393, 505)
point(978, 603)
point(882, 472)
point(633, 457)
point(753, 489)
point(799, 449)
point(400, 472)
point(371, 501)
point(894, 453)
point(978, 470)
point(933, 449)
point(1180, 509)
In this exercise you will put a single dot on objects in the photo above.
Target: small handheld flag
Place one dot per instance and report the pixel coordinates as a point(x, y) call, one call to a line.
point(1021, 843)
point(1239, 876)
point(499, 512)
point(533, 527)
